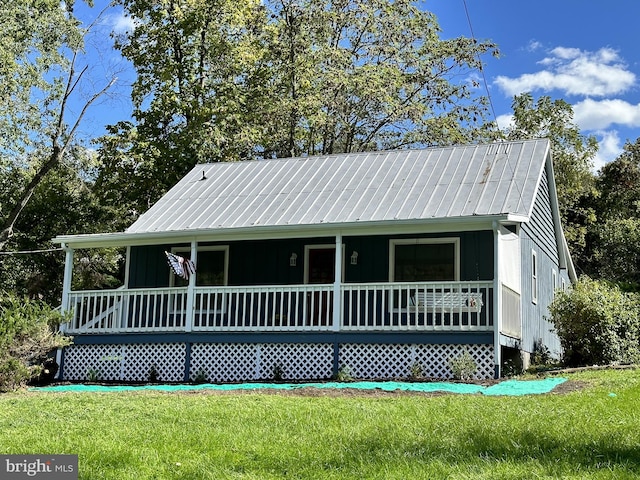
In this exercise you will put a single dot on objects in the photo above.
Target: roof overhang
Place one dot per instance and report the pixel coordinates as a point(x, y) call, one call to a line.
point(398, 227)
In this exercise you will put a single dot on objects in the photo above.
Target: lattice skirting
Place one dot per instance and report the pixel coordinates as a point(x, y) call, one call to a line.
point(398, 360)
point(236, 361)
point(233, 362)
point(126, 362)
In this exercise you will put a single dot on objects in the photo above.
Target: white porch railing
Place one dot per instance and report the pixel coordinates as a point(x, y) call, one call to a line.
point(450, 306)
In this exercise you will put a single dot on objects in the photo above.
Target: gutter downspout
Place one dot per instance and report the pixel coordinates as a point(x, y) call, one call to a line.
point(497, 301)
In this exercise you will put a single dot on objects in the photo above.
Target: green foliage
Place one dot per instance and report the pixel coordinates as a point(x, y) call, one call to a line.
point(63, 203)
point(154, 375)
point(463, 366)
point(93, 375)
point(200, 376)
point(278, 373)
point(221, 80)
point(572, 154)
point(344, 374)
point(27, 335)
point(616, 253)
point(416, 371)
point(541, 354)
point(597, 323)
point(613, 249)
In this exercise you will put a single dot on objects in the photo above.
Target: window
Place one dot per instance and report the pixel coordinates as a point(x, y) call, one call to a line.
point(426, 260)
point(534, 277)
point(554, 281)
point(211, 266)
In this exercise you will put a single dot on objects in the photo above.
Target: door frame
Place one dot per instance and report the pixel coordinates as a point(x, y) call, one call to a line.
point(321, 246)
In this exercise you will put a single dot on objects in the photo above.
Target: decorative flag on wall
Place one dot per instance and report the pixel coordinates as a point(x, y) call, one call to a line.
point(183, 267)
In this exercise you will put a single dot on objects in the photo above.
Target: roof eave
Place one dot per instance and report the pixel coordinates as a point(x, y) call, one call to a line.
point(121, 239)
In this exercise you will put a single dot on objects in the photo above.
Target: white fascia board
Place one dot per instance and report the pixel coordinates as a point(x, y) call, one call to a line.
point(456, 224)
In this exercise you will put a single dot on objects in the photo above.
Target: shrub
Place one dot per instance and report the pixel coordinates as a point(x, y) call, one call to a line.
point(27, 335)
point(344, 374)
point(463, 366)
point(597, 323)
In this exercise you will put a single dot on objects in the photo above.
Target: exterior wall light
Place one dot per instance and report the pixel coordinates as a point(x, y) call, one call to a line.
point(293, 260)
point(354, 258)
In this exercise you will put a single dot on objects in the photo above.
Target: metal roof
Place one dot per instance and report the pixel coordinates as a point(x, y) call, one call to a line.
point(402, 185)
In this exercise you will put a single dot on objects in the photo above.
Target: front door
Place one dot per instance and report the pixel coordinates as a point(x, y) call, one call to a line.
point(321, 263)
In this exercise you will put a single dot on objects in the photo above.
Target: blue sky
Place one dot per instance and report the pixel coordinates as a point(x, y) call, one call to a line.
point(582, 51)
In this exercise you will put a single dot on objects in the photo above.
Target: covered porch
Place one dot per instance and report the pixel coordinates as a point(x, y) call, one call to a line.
point(355, 308)
point(426, 306)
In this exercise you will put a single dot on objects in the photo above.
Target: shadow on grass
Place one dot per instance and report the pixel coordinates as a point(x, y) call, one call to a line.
point(553, 455)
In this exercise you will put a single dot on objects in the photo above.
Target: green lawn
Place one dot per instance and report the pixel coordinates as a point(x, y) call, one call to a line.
point(593, 432)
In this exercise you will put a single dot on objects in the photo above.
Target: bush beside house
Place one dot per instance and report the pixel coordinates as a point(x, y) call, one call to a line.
point(598, 323)
point(28, 333)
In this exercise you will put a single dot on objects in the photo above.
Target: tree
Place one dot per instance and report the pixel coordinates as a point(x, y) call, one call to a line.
point(614, 241)
point(572, 154)
point(355, 75)
point(200, 81)
point(38, 74)
point(221, 80)
point(63, 203)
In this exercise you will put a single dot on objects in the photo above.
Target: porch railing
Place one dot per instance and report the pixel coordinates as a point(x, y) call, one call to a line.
point(453, 306)
point(418, 306)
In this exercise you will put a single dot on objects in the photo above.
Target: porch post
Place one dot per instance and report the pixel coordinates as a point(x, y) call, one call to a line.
point(337, 298)
point(68, 273)
point(497, 300)
point(191, 289)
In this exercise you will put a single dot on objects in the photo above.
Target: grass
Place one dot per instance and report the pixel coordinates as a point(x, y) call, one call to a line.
point(588, 433)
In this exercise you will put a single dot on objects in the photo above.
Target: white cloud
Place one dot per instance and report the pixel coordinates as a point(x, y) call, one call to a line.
point(533, 46)
point(505, 122)
point(574, 72)
point(597, 115)
point(610, 147)
point(121, 23)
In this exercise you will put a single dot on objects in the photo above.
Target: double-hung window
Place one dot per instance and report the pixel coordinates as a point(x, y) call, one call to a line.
point(425, 260)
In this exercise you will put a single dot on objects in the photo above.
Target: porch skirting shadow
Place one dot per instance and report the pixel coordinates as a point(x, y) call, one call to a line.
point(237, 362)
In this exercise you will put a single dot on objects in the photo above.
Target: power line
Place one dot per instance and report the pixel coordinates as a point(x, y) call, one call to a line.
point(26, 252)
point(484, 78)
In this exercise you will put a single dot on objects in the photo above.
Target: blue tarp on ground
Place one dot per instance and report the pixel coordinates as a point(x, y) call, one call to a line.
point(508, 387)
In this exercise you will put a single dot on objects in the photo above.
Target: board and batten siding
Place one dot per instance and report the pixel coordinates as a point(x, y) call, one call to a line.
point(266, 262)
point(538, 237)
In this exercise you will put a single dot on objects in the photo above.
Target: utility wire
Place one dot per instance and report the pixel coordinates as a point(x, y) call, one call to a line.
point(26, 252)
point(484, 78)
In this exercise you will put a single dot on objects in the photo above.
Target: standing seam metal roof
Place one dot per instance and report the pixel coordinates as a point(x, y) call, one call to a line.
point(442, 182)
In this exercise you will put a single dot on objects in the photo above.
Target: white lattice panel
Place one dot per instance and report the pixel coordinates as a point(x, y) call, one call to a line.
point(298, 361)
point(236, 362)
point(167, 358)
point(223, 362)
point(395, 361)
point(128, 362)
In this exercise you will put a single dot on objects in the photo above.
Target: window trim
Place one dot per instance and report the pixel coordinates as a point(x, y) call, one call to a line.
point(420, 241)
point(534, 277)
point(210, 248)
